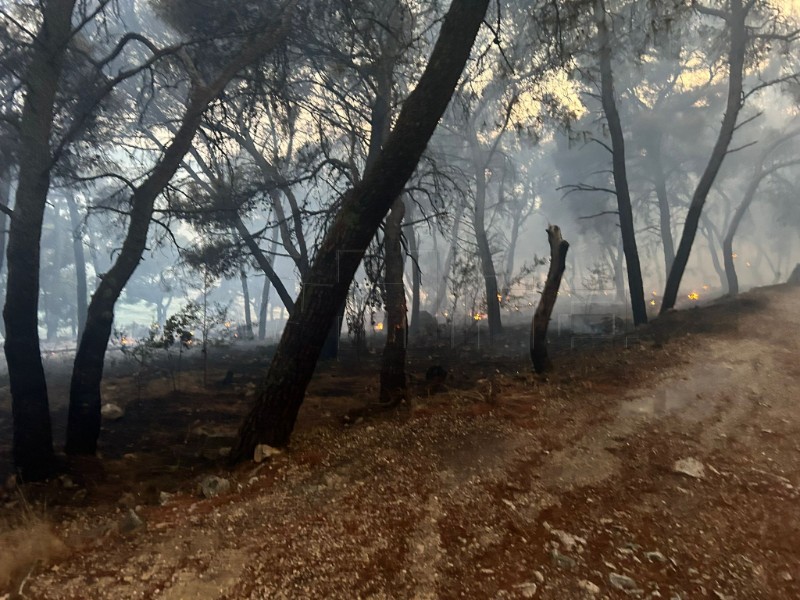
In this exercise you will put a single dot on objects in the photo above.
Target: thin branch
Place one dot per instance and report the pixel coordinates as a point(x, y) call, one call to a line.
point(600, 214)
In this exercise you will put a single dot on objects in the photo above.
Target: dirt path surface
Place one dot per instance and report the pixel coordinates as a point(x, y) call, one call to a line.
point(667, 470)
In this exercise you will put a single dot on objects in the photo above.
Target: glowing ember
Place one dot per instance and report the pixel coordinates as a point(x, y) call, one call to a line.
point(694, 296)
point(477, 316)
point(378, 326)
point(652, 302)
point(655, 293)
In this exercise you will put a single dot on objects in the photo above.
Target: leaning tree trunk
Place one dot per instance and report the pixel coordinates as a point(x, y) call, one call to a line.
point(262, 309)
point(83, 420)
point(393, 368)
point(738, 42)
point(80, 265)
point(541, 317)
point(52, 303)
point(759, 174)
point(34, 457)
point(362, 209)
point(264, 263)
point(635, 283)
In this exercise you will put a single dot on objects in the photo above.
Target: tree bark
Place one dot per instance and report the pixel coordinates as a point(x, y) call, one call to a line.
point(34, 457)
point(83, 422)
point(248, 320)
point(80, 265)
point(262, 310)
point(665, 216)
point(5, 199)
point(759, 173)
point(265, 264)
point(484, 250)
point(393, 371)
point(441, 291)
point(413, 252)
point(52, 300)
point(635, 283)
point(738, 41)
point(272, 419)
point(511, 252)
point(541, 317)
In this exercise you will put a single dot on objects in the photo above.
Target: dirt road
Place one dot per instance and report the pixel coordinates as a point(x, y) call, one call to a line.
point(667, 470)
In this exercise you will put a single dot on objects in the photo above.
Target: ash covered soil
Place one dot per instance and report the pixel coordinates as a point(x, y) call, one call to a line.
point(669, 469)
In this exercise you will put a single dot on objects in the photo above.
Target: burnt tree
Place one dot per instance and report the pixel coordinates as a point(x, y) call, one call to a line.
point(34, 457)
point(83, 423)
point(363, 207)
point(635, 284)
point(393, 366)
point(735, 18)
point(541, 317)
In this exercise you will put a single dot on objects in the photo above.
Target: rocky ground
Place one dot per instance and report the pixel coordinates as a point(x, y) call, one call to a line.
point(668, 469)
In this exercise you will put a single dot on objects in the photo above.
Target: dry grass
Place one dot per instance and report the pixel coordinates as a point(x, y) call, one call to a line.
point(27, 539)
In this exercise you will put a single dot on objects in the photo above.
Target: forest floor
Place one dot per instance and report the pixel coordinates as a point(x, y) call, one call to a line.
point(667, 469)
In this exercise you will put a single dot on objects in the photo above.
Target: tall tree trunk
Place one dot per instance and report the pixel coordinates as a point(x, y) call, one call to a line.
point(83, 421)
point(485, 252)
point(618, 266)
point(248, 320)
point(393, 371)
point(325, 287)
point(413, 251)
point(262, 310)
point(80, 265)
point(511, 252)
point(441, 291)
point(635, 283)
point(5, 199)
point(34, 457)
point(52, 302)
point(738, 41)
point(665, 216)
point(714, 239)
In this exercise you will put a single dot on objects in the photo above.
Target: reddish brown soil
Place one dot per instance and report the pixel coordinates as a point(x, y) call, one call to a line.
point(502, 485)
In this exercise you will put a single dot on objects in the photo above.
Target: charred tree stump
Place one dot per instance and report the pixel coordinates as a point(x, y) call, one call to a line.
point(541, 318)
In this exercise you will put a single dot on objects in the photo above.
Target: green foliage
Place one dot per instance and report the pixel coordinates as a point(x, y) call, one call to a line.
point(179, 327)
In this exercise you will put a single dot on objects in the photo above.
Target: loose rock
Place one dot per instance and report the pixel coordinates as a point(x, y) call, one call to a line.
point(621, 582)
point(111, 412)
point(691, 467)
point(130, 522)
point(213, 486)
point(589, 587)
point(264, 451)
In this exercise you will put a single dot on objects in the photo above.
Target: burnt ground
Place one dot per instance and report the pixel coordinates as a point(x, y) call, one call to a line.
point(501, 484)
